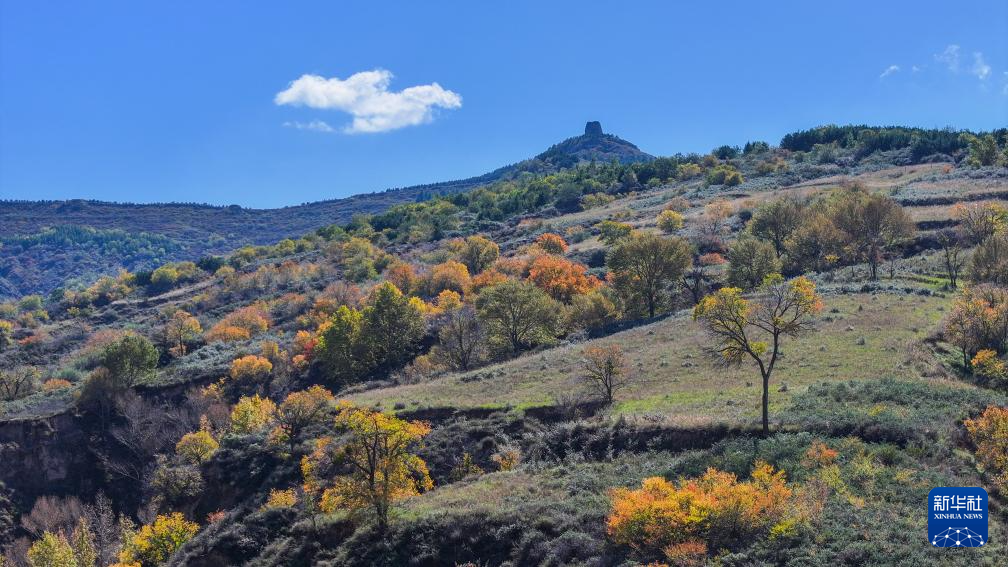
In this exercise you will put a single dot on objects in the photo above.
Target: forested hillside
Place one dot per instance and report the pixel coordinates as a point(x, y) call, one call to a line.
point(766, 354)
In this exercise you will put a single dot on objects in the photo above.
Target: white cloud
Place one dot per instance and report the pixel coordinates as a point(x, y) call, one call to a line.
point(316, 125)
point(889, 71)
point(365, 96)
point(916, 69)
point(980, 67)
point(949, 57)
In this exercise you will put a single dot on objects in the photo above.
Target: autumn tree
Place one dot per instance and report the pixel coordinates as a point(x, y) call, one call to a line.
point(251, 415)
point(714, 216)
point(478, 253)
point(978, 320)
point(605, 370)
point(449, 275)
point(384, 467)
point(872, 223)
point(180, 329)
point(196, 447)
point(19, 382)
point(298, 411)
point(989, 433)
point(462, 338)
point(776, 220)
point(983, 150)
point(561, 278)
point(250, 369)
point(753, 328)
point(552, 243)
point(240, 324)
point(750, 261)
point(403, 276)
point(519, 315)
point(644, 265)
point(154, 543)
point(52, 550)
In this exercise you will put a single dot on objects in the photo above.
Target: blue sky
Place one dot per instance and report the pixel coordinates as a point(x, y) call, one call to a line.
point(223, 102)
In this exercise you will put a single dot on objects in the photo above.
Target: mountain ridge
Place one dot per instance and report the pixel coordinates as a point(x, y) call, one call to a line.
point(29, 265)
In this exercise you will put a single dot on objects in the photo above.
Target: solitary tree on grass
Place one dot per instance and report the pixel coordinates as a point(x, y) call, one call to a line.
point(753, 328)
point(605, 370)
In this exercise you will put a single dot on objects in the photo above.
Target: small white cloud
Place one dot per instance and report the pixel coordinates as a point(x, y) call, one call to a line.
point(980, 67)
point(916, 69)
point(949, 58)
point(889, 71)
point(365, 96)
point(316, 125)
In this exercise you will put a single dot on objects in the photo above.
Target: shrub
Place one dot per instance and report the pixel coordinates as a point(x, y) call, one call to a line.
point(6, 332)
point(612, 232)
point(715, 510)
point(669, 221)
point(53, 384)
point(280, 499)
point(552, 243)
point(987, 365)
point(724, 174)
point(686, 171)
point(989, 433)
point(250, 368)
point(240, 324)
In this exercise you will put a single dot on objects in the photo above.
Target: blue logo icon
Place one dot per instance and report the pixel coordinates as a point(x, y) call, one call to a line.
point(957, 516)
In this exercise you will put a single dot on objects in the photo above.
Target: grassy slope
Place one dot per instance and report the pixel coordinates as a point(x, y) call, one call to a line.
point(674, 375)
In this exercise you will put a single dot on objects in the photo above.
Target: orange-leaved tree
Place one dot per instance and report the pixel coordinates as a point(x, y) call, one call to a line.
point(561, 278)
point(379, 453)
point(552, 243)
point(753, 328)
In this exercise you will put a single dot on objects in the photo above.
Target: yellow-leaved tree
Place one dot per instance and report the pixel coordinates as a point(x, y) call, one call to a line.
point(154, 543)
point(379, 453)
point(752, 329)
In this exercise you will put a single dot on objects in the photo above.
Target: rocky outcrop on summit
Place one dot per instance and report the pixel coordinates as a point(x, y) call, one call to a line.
point(596, 145)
